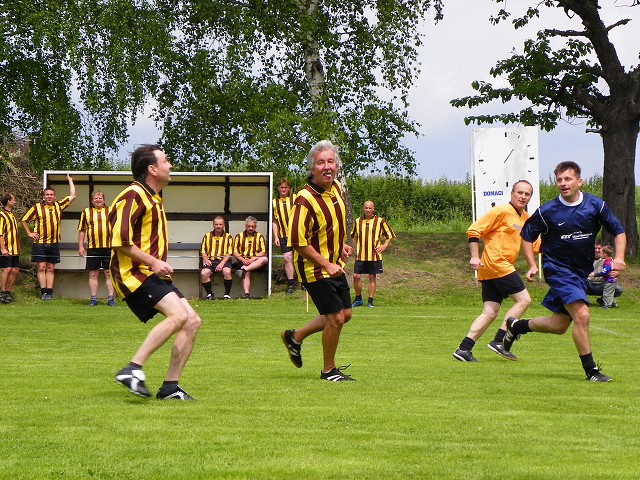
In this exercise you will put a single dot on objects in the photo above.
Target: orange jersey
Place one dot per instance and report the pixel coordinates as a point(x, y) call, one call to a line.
point(500, 229)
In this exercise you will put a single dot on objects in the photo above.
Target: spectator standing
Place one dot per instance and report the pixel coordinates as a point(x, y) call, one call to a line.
point(95, 229)
point(9, 247)
point(45, 251)
point(281, 212)
point(367, 233)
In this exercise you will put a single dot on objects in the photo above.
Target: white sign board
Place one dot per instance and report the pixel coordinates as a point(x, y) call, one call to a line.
point(499, 158)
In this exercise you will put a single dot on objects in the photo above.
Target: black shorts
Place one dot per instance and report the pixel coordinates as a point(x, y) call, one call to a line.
point(214, 265)
point(98, 259)
point(368, 267)
point(45, 252)
point(9, 261)
point(142, 302)
point(238, 266)
point(330, 295)
point(283, 246)
point(497, 289)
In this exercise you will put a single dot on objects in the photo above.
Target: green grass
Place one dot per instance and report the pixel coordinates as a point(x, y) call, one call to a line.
point(413, 413)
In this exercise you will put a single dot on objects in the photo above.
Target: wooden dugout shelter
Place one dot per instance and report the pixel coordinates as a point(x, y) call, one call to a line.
point(191, 201)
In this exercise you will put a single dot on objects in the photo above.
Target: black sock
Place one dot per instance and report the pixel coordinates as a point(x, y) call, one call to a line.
point(499, 335)
point(358, 297)
point(521, 327)
point(291, 282)
point(135, 365)
point(370, 301)
point(467, 344)
point(207, 287)
point(587, 362)
point(227, 286)
point(43, 291)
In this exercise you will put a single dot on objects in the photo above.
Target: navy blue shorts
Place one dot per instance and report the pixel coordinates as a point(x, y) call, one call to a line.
point(330, 295)
point(367, 267)
point(98, 259)
point(564, 290)
point(9, 261)
point(497, 289)
point(45, 252)
point(143, 300)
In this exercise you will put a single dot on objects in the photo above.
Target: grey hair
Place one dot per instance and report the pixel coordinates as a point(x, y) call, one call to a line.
point(251, 219)
point(319, 147)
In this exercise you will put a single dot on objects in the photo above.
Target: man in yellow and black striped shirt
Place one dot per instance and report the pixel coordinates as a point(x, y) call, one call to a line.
point(216, 251)
point(367, 233)
point(94, 226)
point(9, 247)
point(45, 251)
point(142, 276)
point(317, 232)
point(250, 250)
point(281, 212)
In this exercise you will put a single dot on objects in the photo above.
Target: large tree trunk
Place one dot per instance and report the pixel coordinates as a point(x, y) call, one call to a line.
point(619, 186)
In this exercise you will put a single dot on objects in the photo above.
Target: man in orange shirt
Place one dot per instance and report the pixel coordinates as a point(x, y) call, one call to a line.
point(500, 229)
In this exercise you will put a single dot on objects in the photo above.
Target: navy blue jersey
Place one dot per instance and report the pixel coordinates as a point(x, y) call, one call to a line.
point(569, 233)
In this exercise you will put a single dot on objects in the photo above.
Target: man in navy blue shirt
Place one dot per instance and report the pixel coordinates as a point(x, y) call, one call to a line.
point(568, 226)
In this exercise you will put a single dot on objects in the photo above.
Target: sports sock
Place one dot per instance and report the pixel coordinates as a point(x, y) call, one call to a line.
point(135, 365)
point(370, 301)
point(499, 335)
point(521, 327)
point(587, 362)
point(358, 297)
point(467, 344)
point(227, 286)
point(291, 282)
point(207, 287)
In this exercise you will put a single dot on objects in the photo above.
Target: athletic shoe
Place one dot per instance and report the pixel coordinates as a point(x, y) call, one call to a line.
point(290, 290)
point(209, 296)
point(599, 301)
point(293, 348)
point(596, 375)
point(172, 392)
point(93, 302)
point(111, 302)
point(226, 297)
point(464, 355)
point(9, 296)
point(47, 296)
point(357, 303)
point(133, 380)
point(336, 375)
point(370, 305)
point(509, 337)
point(247, 296)
point(499, 349)
point(241, 272)
point(4, 298)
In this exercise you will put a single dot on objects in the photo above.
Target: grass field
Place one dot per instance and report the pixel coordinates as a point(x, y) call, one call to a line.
point(413, 413)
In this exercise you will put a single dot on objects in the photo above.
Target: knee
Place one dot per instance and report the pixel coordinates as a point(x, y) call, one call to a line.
point(356, 276)
point(50, 267)
point(338, 320)
point(193, 322)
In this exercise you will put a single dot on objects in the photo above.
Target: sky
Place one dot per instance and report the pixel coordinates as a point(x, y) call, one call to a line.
point(462, 48)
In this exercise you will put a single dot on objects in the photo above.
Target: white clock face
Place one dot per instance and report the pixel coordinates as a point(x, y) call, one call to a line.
point(501, 157)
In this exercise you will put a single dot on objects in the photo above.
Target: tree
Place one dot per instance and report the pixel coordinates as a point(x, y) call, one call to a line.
point(233, 82)
point(568, 82)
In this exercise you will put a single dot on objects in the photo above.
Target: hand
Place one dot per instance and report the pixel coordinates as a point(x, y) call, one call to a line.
point(346, 251)
point(475, 263)
point(206, 263)
point(162, 269)
point(531, 273)
point(277, 242)
point(82, 252)
point(34, 236)
point(5, 252)
point(618, 265)
point(335, 270)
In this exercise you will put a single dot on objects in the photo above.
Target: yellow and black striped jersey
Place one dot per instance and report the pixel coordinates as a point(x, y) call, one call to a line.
point(95, 223)
point(249, 246)
point(46, 219)
point(318, 219)
point(137, 218)
point(9, 232)
point(281, 213)
point(367, 234)
point(216, 248)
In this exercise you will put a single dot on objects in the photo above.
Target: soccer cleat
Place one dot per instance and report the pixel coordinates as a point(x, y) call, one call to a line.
point(93, 302)
point(290, 290)
point(357, 303)
point(111, 302)
point(209, 296)
point(172, 392)
point(464, 355)
point(336, 375)
point(226, 297)
point(47, 296)
point(370, 305)
point(499, 349)
point(4, 298)
point(241, 272)
point(247, 296)
point(509, 337)
point(293, 348)
point(133, 380)
point(596, 375)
